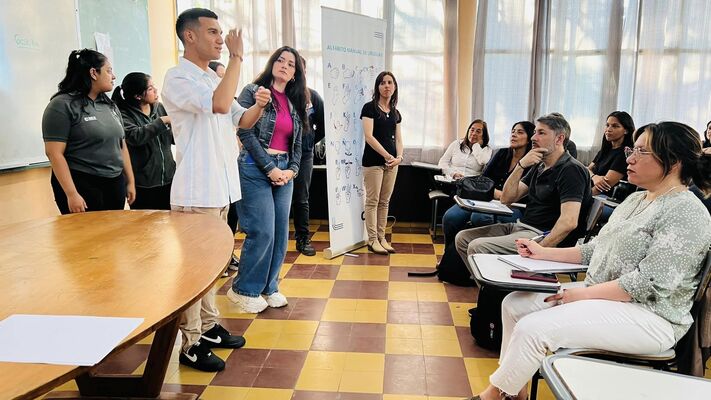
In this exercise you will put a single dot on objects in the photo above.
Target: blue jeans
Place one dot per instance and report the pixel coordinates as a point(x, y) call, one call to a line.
point(264, 218)
point(455, 219)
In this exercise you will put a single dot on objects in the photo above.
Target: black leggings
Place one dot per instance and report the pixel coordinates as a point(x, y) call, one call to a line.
point(98, 192)
point(155, 198)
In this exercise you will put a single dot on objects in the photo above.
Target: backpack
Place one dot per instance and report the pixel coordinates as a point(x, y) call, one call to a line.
point(485, 323)
point(451, 269)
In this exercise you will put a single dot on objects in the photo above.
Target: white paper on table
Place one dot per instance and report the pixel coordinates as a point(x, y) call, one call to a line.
point(62, 339)
point(103, 45)
point(531, 265)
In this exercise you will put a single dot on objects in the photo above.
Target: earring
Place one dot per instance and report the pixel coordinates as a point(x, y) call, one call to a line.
point(293, 79)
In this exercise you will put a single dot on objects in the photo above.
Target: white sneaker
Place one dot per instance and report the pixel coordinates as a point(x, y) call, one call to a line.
point(250, 305)
point(276, 300)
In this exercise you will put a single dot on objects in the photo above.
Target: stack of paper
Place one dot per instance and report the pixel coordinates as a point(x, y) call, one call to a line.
point(494, 206)
point(531, 265)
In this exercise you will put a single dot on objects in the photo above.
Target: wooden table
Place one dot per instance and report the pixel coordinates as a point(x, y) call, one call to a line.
point(144, 264)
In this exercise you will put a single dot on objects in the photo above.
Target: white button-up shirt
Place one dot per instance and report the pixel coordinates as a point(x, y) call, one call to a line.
point(206, 172)
point(467, 162)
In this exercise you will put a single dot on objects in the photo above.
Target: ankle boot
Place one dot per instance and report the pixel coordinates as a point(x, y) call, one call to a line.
point(376, 247)
point(386, 245)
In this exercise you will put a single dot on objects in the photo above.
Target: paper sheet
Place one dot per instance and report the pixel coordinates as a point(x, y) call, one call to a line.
point(492, 206)
point(61, 339)
point(103, 45)
point(528, 264)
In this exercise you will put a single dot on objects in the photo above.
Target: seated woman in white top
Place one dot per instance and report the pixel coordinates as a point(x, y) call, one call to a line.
point(467, 156)
point(643, 268)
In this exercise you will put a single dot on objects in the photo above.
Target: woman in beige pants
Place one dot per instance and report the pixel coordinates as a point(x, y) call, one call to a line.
point(382, 155)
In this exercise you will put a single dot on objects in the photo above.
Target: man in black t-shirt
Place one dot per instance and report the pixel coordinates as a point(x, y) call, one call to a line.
point(559, 196)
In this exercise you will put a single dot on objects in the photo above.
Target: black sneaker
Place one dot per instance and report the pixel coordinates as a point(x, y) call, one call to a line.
point(303, 246)
point(218, 336)
point(234, 263)
point(200, 357)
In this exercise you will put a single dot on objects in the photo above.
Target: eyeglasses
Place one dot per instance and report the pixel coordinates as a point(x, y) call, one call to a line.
point(637, 152)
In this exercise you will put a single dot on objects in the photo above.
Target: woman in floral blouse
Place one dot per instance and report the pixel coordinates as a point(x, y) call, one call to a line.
point(643, 268)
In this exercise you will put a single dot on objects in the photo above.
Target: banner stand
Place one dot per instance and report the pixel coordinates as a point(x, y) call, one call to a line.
point(330, 253)
point(353, 55)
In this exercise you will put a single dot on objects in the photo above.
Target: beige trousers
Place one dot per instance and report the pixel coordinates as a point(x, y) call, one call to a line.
point(202, 315)
point(379, 183)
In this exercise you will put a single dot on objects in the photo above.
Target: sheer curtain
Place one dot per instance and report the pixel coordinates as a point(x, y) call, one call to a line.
point(418, 64)
point(587, 58)
point(502, 66)
point(580, 80)
point(673, 79)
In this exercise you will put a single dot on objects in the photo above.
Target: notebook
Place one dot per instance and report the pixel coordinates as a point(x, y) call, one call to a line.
point(531, 265)
point(494, 206)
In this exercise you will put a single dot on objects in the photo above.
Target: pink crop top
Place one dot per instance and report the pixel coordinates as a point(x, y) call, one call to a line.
point(284, 126)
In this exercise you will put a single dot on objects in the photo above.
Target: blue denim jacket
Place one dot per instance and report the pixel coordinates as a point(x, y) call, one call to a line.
point(256, 140)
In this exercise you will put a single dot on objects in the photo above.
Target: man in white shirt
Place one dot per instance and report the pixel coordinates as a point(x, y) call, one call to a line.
point(203, 115)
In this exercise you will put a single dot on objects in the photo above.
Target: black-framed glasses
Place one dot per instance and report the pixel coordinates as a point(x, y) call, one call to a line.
point(637, 152)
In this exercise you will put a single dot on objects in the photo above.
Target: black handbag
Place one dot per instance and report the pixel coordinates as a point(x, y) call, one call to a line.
point(476, 188)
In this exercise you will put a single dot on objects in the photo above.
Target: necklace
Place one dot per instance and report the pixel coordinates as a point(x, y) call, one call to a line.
point(387, 113)
point(636, 212)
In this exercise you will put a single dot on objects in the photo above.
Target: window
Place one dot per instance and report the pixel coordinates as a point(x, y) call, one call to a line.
point(418, 65)
point(507, 67)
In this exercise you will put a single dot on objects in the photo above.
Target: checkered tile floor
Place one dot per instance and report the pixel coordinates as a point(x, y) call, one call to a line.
point(356, 328)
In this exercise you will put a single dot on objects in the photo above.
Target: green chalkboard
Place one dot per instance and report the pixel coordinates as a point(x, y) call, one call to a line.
point(126, 23)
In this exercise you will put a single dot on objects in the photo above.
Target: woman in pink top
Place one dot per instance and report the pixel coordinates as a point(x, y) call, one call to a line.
point(268, 163)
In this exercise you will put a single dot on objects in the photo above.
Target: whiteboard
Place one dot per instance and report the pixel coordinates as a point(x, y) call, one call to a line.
point(36, 37)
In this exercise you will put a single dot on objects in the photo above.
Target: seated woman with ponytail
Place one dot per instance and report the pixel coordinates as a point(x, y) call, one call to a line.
point(148, 135)
point(84, 139)
point(643, 268)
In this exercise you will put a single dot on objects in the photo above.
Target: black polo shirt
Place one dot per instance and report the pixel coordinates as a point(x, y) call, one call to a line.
point(92, 130)
point(567, 180)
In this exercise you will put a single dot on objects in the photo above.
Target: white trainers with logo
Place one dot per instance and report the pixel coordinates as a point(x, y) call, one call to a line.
point(250, 305)
point(276, 300)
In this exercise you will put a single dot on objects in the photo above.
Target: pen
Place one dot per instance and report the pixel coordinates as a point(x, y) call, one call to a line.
point(540, 237)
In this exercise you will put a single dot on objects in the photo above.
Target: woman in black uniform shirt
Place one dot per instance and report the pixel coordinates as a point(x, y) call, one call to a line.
point(382, 155)
point(609, 165)
point(84, 139)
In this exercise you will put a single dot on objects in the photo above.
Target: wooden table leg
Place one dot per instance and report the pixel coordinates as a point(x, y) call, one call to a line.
point(146, 386)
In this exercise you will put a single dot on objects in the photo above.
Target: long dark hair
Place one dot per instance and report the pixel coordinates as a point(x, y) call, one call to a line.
point(134, 84)
point(376, 94)
point(707, 142)
point(674, 142)
point(466, 144)
point(530, 129)
point(295, 89)
point(77, 78)
point(628, 123)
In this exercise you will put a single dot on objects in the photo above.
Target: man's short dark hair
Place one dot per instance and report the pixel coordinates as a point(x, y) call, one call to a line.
point(190, 19)
point(557, 123)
